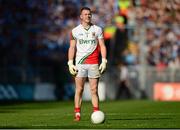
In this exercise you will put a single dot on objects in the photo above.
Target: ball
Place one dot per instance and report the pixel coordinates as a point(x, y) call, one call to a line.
point(97, 117)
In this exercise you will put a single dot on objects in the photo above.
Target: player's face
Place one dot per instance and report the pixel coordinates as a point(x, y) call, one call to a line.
point(86, 16)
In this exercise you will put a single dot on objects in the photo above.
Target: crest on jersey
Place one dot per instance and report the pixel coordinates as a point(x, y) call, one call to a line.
point(93, 34)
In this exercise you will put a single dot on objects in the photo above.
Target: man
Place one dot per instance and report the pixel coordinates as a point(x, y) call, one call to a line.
point(85, 43)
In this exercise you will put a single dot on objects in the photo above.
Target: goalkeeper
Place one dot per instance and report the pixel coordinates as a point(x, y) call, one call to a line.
point(83, 59)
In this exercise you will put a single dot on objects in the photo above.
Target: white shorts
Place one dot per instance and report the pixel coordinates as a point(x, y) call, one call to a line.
point(88, 70)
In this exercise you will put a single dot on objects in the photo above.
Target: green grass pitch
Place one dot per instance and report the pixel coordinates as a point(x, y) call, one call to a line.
point(119, 114)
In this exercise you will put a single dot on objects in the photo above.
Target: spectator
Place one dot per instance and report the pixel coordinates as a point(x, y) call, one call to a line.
point(123, 91)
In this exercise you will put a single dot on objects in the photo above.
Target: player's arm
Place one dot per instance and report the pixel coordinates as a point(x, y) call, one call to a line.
point(102, 48)
point(103, 51)
point(71, 54)
point(72, 49)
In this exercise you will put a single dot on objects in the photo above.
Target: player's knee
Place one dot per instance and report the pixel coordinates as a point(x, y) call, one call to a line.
point(94, 90)
point(79, 90)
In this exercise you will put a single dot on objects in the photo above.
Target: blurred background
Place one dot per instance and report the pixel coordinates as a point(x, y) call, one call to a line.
point(142, 38)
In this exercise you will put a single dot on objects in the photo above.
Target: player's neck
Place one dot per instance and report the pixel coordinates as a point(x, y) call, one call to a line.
point(86, 25)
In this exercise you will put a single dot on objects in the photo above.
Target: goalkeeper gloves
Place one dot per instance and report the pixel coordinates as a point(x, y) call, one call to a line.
point(102, 66)
point(72, 67)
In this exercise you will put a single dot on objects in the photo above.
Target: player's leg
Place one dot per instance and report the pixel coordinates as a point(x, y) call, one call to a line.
point(79, 81)
point(94, 93)
point(93, 75)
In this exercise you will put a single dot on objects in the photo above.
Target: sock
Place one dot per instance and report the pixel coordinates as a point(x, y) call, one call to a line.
point(95, 109)
point(77, 109)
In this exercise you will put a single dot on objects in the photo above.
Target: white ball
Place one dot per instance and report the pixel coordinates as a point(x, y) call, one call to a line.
point(97, 117)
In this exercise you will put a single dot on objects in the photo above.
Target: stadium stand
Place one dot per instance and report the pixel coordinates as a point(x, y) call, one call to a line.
point(34, 36)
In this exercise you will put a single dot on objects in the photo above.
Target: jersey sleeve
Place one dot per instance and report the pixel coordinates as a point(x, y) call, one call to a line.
point(72, 37)
point(100, 33)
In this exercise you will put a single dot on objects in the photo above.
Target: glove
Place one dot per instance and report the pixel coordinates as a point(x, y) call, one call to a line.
point(72, 67)
point(102, 66)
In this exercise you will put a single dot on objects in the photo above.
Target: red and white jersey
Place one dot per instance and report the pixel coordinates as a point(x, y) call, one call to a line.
point(87, 45)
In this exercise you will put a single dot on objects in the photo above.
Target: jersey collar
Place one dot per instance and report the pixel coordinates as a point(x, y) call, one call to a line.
point(87, 28)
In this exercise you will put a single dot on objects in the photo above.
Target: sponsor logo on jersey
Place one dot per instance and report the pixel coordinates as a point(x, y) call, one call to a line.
point(81, 41)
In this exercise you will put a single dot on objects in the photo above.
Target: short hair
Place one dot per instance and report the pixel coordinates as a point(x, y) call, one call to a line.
point(85, 8)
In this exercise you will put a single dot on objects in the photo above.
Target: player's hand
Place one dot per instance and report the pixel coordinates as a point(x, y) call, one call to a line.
point(72, 67)
point(102, 66)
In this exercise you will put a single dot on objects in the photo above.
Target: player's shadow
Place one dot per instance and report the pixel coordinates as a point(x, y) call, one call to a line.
point(139, 118)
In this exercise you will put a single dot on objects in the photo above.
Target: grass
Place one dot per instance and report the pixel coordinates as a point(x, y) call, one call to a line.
point(119, 114)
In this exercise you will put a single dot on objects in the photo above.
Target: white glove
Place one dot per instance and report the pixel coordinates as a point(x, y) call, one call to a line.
point(72, 67)
point(102, 66)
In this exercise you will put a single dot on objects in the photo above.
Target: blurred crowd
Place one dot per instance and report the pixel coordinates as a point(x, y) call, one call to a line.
point(162, 18)
point(34, 34)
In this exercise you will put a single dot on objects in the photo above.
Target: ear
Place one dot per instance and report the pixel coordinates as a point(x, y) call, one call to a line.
point(81, 16)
